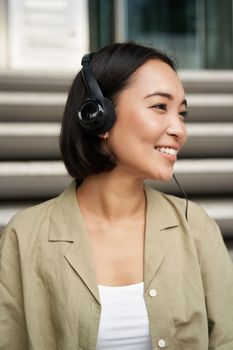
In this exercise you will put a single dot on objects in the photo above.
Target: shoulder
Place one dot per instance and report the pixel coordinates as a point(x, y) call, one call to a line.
point(31, 216)
point(196, 215)
point(198, 222)
point(31, 229)
point(199, 230)
point(177, 205)
point(22, 230)
point(29, 222)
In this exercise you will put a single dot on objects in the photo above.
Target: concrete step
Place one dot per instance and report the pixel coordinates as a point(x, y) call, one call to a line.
point(48, 178)
point(210, 107)
point(207, 81)
point(32, 106)
point(49, 106)
point(33, 179)
point(27, 81)
point(195, 81)
point(209, 140)
point(41, 140)
point(29, 141)
point(220, 210)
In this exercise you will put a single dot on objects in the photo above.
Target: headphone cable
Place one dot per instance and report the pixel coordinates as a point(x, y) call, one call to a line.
point(184, 194)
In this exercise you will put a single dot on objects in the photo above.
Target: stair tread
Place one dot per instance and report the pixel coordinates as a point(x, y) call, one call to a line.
point(58, 98)
point(46, 128)
point(210, 129)
point(30, 129)
point(53, 80)
point(204, 166)
point(32, 98)
point(32, 168)
point(42, 81)
point(56, 167)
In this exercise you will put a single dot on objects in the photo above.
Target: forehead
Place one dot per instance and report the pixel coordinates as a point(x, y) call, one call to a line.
point(156, 74)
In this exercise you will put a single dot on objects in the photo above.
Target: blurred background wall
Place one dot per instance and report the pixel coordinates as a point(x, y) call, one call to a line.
point(41, 45)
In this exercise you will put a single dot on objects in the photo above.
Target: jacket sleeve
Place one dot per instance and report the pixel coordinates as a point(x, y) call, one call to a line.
point(217, 272)
point(12, 321)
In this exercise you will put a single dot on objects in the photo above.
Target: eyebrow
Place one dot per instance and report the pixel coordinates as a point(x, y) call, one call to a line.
point(166, 95)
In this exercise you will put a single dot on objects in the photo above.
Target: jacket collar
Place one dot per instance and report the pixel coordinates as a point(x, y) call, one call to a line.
point(67, 225)
point(161, 219)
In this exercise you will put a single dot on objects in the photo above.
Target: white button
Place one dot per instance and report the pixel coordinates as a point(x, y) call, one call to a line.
point(161, 343)
point(152, 293)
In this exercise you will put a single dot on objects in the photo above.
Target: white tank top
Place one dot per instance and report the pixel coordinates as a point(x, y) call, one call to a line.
point(123, 320)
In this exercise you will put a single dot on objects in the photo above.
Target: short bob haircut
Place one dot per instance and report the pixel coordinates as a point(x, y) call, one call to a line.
point(113, 67)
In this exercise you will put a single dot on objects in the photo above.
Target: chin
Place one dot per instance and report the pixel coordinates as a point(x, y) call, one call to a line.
point(164, 177)
point(161, 171)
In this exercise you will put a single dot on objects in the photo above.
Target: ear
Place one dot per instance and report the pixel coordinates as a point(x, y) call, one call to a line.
point(104, 136)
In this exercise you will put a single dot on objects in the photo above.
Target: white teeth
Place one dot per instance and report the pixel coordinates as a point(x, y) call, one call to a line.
point(167, 150)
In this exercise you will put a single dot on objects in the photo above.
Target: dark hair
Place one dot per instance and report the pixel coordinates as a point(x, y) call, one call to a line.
point(113, 67)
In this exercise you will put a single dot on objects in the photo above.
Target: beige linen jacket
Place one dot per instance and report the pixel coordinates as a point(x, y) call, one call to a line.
point(49, 297)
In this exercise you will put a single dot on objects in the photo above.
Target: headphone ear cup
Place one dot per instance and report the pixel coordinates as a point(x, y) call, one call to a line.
point(89, 111)
point(96, 118)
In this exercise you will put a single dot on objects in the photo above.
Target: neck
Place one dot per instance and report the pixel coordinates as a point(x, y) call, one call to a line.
point(111, 196)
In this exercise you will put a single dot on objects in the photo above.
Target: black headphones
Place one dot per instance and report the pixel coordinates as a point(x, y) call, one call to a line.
point(96, 114)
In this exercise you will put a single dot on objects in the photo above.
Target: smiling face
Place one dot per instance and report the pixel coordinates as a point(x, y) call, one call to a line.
point(149, 130)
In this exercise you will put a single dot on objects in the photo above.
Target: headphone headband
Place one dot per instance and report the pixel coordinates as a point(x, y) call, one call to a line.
point(96, 114)
point(89, 79)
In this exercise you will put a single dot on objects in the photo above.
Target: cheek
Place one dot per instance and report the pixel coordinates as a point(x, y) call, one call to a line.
point(134, 135)
point(135, 125)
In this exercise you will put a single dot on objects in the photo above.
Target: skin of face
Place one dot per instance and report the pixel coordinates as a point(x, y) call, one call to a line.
point(150, 113)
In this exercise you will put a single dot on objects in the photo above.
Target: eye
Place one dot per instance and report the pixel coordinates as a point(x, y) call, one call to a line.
point(184, 114)
point(160, 106)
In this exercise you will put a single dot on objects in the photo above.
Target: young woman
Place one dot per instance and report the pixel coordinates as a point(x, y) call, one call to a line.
point(112, 263)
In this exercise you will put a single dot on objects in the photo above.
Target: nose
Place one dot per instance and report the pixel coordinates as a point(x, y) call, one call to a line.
point(177, 128)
